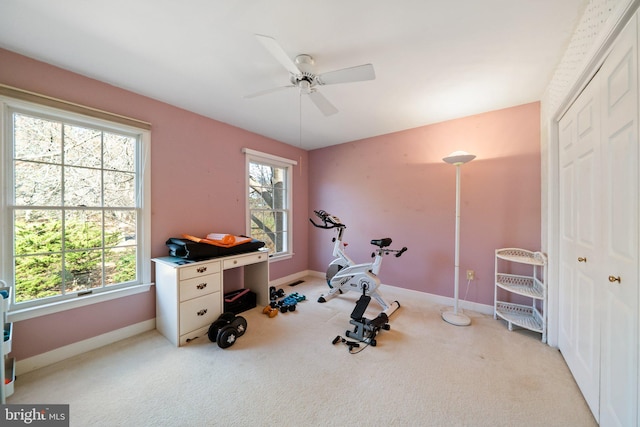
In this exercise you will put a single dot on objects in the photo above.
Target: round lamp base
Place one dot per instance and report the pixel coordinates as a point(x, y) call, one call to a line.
point(457, 319)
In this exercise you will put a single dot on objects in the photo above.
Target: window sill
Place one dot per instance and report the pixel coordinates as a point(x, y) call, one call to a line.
point(43, 310)
point(277, 258)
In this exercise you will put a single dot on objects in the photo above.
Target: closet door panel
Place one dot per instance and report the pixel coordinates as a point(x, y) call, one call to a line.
point(566, 291)
point(584, 217)
point(618, 277)
point(579, 338)
point(621, 200)
point(618, 380)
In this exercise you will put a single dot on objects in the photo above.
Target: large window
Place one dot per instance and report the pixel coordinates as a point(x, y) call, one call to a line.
point(76, 213)
point(269, 202)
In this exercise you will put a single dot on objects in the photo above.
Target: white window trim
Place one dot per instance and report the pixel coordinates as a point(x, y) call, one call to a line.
point(278, 161)
point(6, 245)
point(56, 307)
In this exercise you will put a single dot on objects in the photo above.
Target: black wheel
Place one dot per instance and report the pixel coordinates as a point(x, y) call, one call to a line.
point(227, 336)
point(240, 323)
point(214, 328)
point(284, 308)
point(373, 343)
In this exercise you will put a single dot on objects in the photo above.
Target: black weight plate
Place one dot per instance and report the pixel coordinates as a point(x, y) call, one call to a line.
point(228, 316)
point(240, 323)
point(214, 328)
point(227, 336)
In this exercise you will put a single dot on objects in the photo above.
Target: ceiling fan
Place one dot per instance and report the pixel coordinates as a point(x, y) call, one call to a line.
point(301, 75)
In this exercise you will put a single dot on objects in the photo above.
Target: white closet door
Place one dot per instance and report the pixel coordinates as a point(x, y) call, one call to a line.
point(580, 240)
point(618, 280)
point(599, 214)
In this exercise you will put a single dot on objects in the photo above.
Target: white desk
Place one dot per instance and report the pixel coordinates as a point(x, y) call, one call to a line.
point(190, 294)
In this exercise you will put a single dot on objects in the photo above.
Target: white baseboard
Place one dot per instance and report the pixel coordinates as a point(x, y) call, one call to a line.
point(62, 353)
point(437, 299)
point(293, 277)
point(448, 301)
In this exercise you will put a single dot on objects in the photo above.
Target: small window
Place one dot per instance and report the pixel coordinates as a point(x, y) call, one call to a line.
point(75, 216)
point(269, 201)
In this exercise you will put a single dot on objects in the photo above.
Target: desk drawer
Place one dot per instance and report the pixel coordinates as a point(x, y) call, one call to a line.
point(199, 312)
point(199, 269)
point(244, 260)
point(199, 286)
point(188, 337)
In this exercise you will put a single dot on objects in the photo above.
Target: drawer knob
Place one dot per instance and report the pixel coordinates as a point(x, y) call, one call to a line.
point(202, 285)
point(235, 261)
point(202, 312)
point(582, 259)
point(614, 279)
point(201, 269)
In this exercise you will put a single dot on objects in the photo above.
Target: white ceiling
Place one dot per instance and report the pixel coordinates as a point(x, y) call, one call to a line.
point(434, 60)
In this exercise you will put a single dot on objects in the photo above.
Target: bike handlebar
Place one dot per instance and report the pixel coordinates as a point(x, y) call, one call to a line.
point(386, 251)
point(401, 251)
point(328, 220)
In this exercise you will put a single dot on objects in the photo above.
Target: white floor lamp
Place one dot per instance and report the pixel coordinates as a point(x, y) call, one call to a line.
point(457, 158)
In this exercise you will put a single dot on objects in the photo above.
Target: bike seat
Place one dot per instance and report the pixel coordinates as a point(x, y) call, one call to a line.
point(382, 243)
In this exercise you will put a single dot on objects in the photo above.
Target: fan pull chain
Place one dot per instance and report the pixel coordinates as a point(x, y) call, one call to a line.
point(300, 129)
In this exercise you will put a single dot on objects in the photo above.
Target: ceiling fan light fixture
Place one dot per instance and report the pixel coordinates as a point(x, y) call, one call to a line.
point(304, 62)
point(305, 86)
point(301, 75)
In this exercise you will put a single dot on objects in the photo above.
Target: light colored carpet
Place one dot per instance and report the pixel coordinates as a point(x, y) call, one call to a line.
point(285, 372)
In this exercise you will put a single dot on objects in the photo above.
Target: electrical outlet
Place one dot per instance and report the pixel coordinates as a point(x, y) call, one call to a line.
point(471, 275)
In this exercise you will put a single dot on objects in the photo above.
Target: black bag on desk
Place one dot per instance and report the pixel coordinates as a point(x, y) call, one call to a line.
point(188, 249)
point(183, 248)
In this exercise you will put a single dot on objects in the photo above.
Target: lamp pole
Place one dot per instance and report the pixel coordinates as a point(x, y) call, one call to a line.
point(457, 158)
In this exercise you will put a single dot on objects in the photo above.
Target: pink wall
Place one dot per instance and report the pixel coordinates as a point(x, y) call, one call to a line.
point(197, 187)
point(397, 186)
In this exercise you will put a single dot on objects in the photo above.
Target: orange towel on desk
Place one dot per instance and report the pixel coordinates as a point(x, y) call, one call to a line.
point(226, 240)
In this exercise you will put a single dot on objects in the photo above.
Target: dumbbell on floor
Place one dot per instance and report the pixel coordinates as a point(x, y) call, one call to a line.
point(298, 297)
point(274, 293)
point(270, 311)
point(288, 304)
point(227, 329)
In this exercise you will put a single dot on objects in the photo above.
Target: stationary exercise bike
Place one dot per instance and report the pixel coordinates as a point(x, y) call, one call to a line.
point(344, 275)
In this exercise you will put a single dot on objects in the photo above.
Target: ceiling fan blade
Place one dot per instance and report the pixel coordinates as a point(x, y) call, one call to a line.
point(276, 50)
point(322, 103)
point(267, 91)
point(346, 75)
